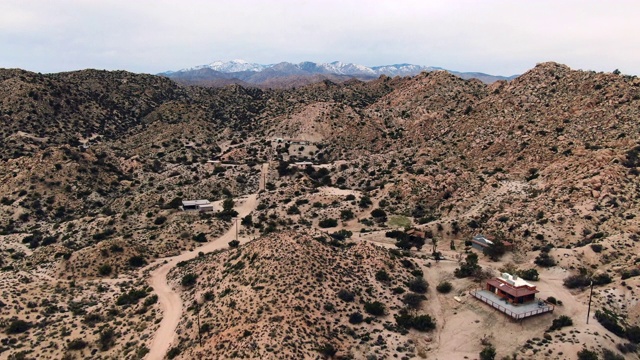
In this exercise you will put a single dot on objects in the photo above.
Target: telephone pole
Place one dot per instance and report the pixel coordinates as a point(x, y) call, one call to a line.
point(589, 308)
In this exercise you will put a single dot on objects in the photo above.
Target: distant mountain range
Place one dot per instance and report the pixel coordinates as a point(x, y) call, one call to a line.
point(285, 74)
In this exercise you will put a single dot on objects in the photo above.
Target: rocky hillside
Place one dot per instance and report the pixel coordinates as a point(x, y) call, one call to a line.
point(94, 165)
point(290, 295)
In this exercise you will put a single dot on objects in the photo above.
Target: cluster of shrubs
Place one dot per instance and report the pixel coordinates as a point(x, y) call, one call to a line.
point(610, 322)
point(583, 280)
point(544, 259)
point(560, 322)
point(418, 322)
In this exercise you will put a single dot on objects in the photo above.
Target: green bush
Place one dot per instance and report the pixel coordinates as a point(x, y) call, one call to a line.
point(560, 322)
point(189, 280)
point(356, 318)
point(444, 287)
point(610, 322)
point(413, 300)
point(586, 354)
point(418, 285)
point(328, 223)
point(18, 327)
point(488, 353)
point(382, 275)
point(104, 270)
point(137, 261)
point(200, 237)
point(346, 295)
point(77, 344)
point(375, 308)
point(423, 323)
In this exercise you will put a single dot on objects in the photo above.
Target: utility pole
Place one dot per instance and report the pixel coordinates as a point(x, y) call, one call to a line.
point(237, 229)
point(589, 308)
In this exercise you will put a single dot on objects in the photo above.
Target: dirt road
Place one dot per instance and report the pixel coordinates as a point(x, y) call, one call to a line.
point(168, 298)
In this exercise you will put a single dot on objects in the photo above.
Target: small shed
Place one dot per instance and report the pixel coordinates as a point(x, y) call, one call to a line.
point(480, 242)
point(197, 205)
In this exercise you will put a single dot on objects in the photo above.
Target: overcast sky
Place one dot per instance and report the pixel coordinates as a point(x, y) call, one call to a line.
point(151, 36)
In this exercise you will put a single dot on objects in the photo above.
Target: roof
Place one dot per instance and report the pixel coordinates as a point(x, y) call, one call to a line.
point(194, 202)
point(513, 285)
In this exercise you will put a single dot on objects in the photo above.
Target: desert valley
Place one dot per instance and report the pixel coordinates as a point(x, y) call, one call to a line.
point(342, 219)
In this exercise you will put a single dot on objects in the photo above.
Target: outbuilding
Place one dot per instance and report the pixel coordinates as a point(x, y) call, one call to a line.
point(197, 205)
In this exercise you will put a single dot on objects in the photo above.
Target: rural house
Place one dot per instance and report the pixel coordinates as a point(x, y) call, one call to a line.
point(513, 296)
point(197, 205)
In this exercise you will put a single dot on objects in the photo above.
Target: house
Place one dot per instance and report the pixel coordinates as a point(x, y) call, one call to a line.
point(197, 205)
point(480, 242)
point(512, 296)
point(302, 164)
point(512, 288)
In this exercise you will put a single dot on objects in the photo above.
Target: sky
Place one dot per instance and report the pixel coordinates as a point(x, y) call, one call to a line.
point(152, 36)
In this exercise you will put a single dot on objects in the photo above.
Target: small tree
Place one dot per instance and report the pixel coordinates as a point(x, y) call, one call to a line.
point(444, 287)
point(488, 353)
point(375, 308)
point(189, 280)
point(383, 276)
point(234, 244)
point(586, 354)
point(469, 267)
point(418, 285)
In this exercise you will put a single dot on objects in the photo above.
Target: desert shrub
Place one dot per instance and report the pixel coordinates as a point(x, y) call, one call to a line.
point(106, 339)
point(469, 267)
point(234, 244)
point(151, 300)
point(544, 259)
point(328, 350)
point(633, 334)
point(356, 318)
point(346, 215)
point(418, 285)
point(328, 223)
point(444, 287)
point(189, 280)
point(610, 322)
point(530, 274)
point(586, 354)
point(77, 344)
point(576, 281)
point(173, 352)
point(552, 300)
point(375, 308)
point(423, 323)
point(488, 353)
point(200, 237)
point(596, 247)
point(630, 273)
point(610, 355)
point(413, 300)
point(382, 275)
point(160, 220)
point(346, 295)
point(341, 234)
point(18, 327)
point(420, 322)
point(561, 322)
point(104, 270)
point(627, 348)
point(131, 297)
point(137, 261)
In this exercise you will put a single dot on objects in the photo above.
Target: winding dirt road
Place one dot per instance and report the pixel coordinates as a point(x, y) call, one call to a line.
point(168, 298)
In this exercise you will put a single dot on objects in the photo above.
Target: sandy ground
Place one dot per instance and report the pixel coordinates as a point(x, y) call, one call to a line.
point(168, 298)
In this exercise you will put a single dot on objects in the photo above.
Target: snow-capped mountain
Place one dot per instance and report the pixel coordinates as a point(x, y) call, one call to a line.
point(237, 65)
point(246, 73)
